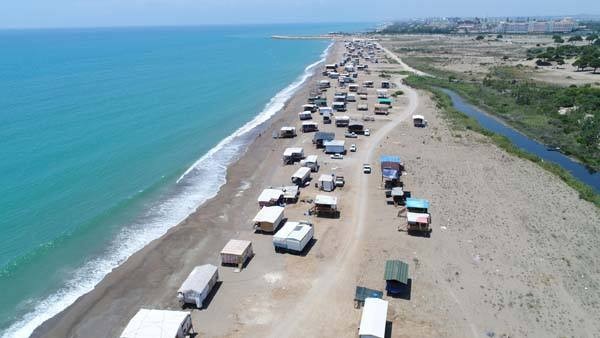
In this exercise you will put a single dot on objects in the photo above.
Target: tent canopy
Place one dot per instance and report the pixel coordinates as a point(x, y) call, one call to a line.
point(389, 158)
point(417, 203)
point(325, 200)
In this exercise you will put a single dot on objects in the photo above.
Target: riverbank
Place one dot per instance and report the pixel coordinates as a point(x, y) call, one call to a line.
point(466, 280)
point(460, 120)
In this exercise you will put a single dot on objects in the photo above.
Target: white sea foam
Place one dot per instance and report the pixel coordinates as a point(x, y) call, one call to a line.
point(198, 184)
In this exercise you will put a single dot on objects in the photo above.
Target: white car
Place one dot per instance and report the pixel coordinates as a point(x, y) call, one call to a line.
point(353, 148)
point(367, 132)
point(366, 168)
point(337, 157)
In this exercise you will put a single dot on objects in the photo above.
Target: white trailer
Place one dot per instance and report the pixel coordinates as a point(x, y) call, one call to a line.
point(311, 162)
point(293, 236)
point(158, 324)
point(270, 197)
point(301, 176)
point(293, 154)
point(327, 182)
point(374, 316)
point(197, 285)
point(328, 110)
point(305, 115)
point(335, 146)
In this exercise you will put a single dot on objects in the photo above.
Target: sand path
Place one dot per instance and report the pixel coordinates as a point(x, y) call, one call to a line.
point(403, 64)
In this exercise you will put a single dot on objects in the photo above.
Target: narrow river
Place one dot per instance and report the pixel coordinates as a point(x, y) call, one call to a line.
point(577, 169)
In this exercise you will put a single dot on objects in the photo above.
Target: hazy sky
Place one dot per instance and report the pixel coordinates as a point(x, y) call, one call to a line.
point(84, 13)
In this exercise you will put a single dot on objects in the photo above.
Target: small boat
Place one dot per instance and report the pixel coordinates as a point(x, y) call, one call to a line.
point(552, 148)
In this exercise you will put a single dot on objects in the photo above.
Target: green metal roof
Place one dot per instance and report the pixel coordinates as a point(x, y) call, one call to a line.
point(396, 270)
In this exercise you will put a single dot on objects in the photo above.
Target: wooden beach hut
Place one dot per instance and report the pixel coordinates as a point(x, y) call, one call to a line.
point(268, 218)
point(236, 252)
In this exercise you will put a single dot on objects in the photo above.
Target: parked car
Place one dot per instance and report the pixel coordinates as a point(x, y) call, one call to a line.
point(339, 181)
point(367, 132)
point(366, 168)
point(353, 148)
point(351, 135)
point(337, 157)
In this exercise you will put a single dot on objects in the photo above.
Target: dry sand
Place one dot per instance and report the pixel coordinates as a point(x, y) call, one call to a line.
point(475, 58)
point(514, 251)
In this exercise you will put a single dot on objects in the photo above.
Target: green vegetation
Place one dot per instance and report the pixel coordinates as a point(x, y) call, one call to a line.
point(397, 93)
point(575, 38)
point(587, 56)
point(460, 121)
point(557, 39)
point(414, 28)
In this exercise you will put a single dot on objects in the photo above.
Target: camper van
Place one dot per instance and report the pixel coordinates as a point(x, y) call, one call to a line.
point(339, 106)
point(342, 121)
point(305, 115)
point(301, 176)
point(308, 127)
point(311, 162)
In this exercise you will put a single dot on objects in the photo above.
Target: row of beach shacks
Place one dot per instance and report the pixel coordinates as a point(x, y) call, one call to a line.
point(291, 236)
point(374, 313)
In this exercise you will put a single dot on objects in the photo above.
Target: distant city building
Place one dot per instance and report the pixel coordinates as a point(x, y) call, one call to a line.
point(536, 27)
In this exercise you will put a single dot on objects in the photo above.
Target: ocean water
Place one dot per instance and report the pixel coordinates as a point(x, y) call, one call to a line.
point(109, 137)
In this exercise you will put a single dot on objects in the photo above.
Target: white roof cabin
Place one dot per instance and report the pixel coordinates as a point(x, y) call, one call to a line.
point(158, 324)
point(269, 196)
point(326, 200)
point(269, 214)
point(326, 178)
point(295, 151)
point(374, 316)
point(311, 159)
point(236, 246)
point(418, 117)
point(334, 143)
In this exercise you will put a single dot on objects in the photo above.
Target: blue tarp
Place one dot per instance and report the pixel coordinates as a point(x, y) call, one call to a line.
point(417, 203)
point(388, 173)
point(389, 158)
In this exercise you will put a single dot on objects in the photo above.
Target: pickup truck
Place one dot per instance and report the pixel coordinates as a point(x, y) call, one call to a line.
point(337, 157)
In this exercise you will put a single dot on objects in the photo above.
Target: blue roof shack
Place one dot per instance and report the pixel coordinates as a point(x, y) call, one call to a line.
point(391, 167)
point(417, 205)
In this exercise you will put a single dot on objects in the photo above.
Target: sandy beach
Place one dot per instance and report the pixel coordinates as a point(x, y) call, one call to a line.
point(514, 252)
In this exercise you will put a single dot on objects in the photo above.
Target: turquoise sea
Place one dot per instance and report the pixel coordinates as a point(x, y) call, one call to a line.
point(109, 137)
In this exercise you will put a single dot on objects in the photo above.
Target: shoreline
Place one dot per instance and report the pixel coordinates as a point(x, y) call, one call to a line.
point(244, 137)
point(256, 133)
